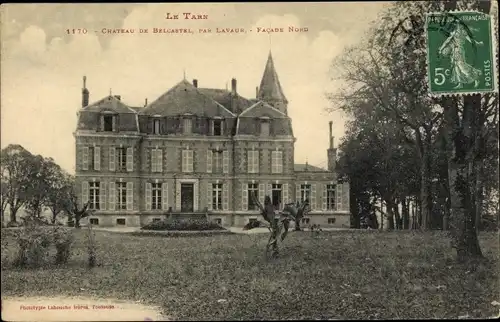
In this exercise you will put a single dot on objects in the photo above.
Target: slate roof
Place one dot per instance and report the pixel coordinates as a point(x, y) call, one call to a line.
point(109, 103)
point(270, 87)
point(307, 168)
point(261, 109)
point(184, 98)
point(233, 103)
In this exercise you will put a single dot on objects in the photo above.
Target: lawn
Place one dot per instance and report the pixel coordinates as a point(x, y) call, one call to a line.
point(338, 275)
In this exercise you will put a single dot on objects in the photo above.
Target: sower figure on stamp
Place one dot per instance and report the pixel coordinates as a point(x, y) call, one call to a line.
point(454, 46)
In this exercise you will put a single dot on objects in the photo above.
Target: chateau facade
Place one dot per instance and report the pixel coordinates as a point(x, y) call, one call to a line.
point(199, 150)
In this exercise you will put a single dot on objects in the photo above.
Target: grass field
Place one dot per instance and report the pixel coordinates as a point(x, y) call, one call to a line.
point(338, 275)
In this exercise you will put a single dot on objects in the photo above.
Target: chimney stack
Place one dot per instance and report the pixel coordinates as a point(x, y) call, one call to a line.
point(256, 91)
point(145, 102)
point(233, 86)
point(331, 136)
point(331, 152)
point(195, 83)
point(85, 93)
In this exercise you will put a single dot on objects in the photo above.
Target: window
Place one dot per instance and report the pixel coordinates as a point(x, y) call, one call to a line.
point(94, 221)
point(121, 195)
point(94, 195)
point(218, 221)
point(305, 220)
point(276, 195)
point(156, 160)
point(187, 161)
point(253, 161)
point(122, 159)
point(305, 192)
point(156, 126)
point(108, 123)
point(217, 127)
point(252, 220)
point(156, 219)
point(217, 196)
point(330, 197)
point(253, 189)
point(91, 158)
point(331, 220)
point(156, 196)
point(276, 161)
point(120, 221)
point(188, 125)
point(264, 128)
point(217, 162)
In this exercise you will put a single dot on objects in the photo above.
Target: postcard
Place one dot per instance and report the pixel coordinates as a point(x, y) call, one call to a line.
point(249, 161)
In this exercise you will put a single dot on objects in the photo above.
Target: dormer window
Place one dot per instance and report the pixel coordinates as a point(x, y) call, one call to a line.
point(217, 127)
point(188, 125)
point(108, 123)
point(264, 126)
point(156, 126)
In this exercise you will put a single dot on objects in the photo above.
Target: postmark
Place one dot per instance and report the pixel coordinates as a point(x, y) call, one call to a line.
point(460, 53)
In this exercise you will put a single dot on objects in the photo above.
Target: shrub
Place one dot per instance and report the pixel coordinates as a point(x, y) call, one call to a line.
point(63, 240)
point(188, 224)
point(34, 242)
point(33, 246)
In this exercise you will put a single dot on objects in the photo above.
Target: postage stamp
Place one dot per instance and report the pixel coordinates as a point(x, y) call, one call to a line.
point(460, 53)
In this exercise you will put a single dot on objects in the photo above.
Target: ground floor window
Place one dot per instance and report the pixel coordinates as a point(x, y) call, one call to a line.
point(276, 195)
point(218, 221)
point(217, 196)
point(331, 220)
point(305, 220)
point(252, 220)
point(156, 219)
point(156, 196)
point(94, 193)
point(120, 221)
point(94, 221)
point(253, 190)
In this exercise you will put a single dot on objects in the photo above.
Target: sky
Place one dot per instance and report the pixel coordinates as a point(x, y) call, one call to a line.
point(43, 65)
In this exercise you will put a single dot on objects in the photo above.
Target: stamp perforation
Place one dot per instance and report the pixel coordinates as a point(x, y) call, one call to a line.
point(493, 29)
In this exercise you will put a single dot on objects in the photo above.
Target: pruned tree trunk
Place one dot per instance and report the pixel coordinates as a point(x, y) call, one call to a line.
point(390, 218)
point(406, 213)
point(355, 209)
point(13, 213)
point(479, 197)
point(397, 216)
point(425, 189)
point(461, 175)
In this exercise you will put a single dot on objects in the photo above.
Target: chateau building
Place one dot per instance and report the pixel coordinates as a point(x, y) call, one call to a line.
point(199, 150)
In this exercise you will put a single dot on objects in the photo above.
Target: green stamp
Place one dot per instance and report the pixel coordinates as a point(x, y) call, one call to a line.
point(460, 53)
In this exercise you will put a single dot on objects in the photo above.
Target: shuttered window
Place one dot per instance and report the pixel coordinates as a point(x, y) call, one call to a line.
point(85, 158)
point(112, 156)
point(225, 161)
point(187, 161)
point(277, 162)
point(253, 161)
point(130, 195)
point(97, 158)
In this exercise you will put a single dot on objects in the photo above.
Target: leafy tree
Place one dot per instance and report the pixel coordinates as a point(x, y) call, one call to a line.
point(16, 170)
point(388, 70)
point(71, 204)
point(59, 192)
point(3, 198)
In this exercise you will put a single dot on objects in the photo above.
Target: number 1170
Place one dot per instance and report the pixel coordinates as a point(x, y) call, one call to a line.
point(76, 31)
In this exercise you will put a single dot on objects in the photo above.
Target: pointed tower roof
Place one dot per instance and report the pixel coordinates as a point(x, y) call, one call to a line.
point(270, 87)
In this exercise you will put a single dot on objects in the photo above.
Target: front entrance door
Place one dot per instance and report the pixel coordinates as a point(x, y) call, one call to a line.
point(187, 197)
